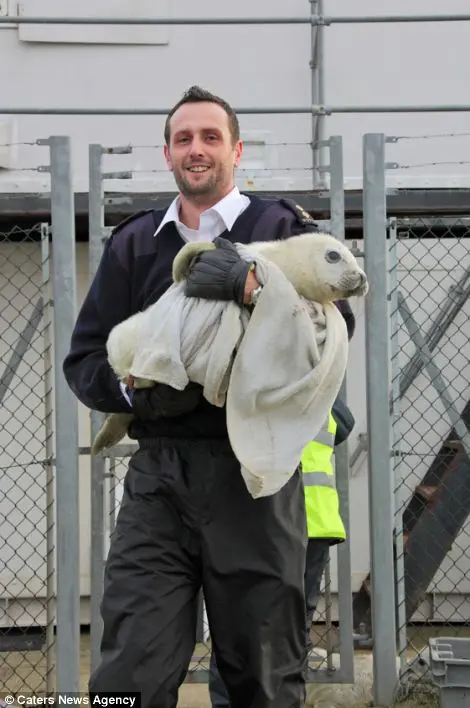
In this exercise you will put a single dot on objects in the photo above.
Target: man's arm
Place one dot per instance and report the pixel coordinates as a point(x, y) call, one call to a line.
point(345, 421)
point(86, 366)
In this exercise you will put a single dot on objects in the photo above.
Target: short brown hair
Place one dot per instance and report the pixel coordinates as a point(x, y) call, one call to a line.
point(196, 94)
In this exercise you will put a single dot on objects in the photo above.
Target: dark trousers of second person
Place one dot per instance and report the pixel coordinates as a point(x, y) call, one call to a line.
point(317, 558)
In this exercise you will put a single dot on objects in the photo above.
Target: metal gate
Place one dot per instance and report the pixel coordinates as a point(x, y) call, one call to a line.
point(333, 626)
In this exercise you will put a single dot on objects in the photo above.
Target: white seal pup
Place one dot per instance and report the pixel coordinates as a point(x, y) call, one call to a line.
point(321, 269)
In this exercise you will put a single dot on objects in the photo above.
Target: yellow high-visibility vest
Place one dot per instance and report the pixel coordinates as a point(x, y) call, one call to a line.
point(321, 498)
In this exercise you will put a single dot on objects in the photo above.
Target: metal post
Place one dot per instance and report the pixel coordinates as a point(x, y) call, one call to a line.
point(378, 422)
point(317, 67)
point(346, 649)
point(395, 408)
point(328, 621)
point(66, 418)
point(49, 445)
point(112, 512)
point(97, 464)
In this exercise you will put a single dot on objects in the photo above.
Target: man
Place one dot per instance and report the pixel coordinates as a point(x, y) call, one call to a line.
point(324, 524)
point(186, 520)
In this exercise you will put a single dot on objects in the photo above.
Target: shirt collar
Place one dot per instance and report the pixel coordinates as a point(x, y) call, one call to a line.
point(228, 208)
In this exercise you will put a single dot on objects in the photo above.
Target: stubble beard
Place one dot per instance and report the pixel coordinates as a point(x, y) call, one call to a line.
point(210, 187)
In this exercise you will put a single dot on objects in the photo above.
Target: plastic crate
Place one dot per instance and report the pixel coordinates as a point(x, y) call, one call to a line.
point(450, 667)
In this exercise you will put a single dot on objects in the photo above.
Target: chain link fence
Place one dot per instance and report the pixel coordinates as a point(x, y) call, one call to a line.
point(26, 492)
point(429, 269)
point(426, 323)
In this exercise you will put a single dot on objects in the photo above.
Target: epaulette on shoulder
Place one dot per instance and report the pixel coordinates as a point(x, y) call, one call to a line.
point(302, 216)
point(129, 220)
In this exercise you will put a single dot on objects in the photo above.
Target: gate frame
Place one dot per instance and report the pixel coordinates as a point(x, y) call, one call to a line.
point(98, 233)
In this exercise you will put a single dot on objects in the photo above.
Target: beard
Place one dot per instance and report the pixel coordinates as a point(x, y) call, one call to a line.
point(209, 184)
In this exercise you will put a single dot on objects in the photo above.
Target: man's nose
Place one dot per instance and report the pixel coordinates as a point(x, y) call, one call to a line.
point(196, 147)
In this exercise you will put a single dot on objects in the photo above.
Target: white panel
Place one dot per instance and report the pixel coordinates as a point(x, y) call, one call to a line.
point(8, 148)
point(379, 63)
point(94, 34)
point(248, 66)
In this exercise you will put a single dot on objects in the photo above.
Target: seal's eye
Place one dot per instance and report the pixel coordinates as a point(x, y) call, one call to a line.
point(332, 256)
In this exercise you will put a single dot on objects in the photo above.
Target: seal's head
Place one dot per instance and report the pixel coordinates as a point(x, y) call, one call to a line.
point(319, 266)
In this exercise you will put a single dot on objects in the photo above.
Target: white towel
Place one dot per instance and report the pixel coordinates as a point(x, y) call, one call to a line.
point(278, 370)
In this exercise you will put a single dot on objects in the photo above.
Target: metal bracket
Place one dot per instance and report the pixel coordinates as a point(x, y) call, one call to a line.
point(320, 20)
point(320, 110)
point(362, 442)
point(355, 250)
point(112, 201)
point(324, 143)
point(125, 150)
point(363, 639)
point(117, 175)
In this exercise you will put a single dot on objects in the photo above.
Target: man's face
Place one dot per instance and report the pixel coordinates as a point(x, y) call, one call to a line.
point(201, 154)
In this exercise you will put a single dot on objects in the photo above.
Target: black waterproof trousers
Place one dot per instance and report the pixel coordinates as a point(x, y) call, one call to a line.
point(318, 551)
point(186, 520)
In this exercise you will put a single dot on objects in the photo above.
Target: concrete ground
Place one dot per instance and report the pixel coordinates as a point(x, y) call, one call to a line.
point(26, 671)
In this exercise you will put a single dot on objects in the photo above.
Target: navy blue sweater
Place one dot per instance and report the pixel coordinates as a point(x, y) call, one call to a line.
point(135, 270)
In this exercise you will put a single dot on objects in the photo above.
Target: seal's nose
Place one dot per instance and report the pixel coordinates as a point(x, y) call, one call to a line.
point(360, 283)
point(364, 284)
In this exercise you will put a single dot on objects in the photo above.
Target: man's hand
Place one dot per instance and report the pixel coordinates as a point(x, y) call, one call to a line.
point(221, 274)
point(250, 284)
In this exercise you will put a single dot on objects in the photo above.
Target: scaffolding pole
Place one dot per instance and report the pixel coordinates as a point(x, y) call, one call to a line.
point(315, 110)
point(312, 20)
point(317, 67)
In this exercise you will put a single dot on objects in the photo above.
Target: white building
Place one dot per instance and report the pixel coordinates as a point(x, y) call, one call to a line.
point(146, 67)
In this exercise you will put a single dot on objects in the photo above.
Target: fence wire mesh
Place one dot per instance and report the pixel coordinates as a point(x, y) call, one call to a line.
point(429, 269)
point(26, 491)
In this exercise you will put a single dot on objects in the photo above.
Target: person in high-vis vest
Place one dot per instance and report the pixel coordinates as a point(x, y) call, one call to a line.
point(324, 524)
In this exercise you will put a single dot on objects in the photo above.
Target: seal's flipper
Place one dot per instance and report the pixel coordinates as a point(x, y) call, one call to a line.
point(111, 432)
point(184, 258)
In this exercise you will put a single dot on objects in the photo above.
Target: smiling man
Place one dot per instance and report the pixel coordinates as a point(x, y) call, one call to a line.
point(186, 519)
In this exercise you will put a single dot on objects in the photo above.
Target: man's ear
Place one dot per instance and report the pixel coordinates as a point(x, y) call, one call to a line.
point(166, 152)
point(238, 152)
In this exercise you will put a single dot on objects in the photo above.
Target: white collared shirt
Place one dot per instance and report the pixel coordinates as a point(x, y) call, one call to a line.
point(212, 221)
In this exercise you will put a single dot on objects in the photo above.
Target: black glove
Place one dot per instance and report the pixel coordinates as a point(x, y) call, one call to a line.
point(162, 401)
point(219, 274)
point(345, 421)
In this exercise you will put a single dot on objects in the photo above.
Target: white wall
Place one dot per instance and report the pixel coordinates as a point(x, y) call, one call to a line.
point(60, 66)
point(22, 432)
